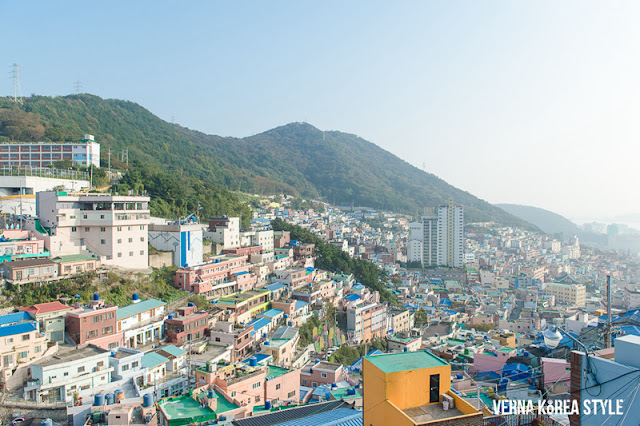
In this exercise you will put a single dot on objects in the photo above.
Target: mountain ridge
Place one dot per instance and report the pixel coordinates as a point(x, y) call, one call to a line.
point(294, 158)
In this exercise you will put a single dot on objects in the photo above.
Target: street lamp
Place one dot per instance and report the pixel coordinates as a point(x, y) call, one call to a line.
point(552, 337)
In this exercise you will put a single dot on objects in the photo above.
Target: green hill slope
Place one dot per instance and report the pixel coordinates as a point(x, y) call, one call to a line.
point(296, 158)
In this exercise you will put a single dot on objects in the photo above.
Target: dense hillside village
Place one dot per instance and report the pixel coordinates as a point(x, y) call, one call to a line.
point(130, 301)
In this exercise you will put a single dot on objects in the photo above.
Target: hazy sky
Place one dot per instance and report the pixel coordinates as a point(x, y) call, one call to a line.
point(528, 102)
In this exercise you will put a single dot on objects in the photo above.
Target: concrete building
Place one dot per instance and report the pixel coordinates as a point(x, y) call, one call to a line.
point(85, 152)
point(412, 388)
point(29, 182)
point(50, 319)
point(316, 374)
point(21, 343)
point(571, 294)
point(367, 322)
point(438, 238)
point(142, 322)
point(77, 370)
point(184, 240)
point(214, 278)
point(29, 270)
point(113, 227)
point(400, 321)
point(187, 326)
point(92, 322)
point(224, 231)
point(16, 244)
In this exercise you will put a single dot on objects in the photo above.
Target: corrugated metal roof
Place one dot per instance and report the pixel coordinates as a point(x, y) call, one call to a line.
point(341, 416)
point(14, 318)
point(152, 359)
point(11, 330)
point(291, 414)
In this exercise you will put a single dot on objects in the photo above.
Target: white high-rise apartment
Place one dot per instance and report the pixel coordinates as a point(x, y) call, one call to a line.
point(450, 235)
point(438, 239)
point(114, 227)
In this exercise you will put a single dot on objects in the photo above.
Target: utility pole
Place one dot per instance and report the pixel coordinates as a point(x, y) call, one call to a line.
point(17, 93)
point(109, 160)
point(608, 331)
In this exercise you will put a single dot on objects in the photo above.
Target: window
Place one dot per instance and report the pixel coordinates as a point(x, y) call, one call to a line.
point(142, 227)
point(38, 349)
point(119, 254)
point(22, 355)
point(134, 364)
point(323, 375)
point(81, 369)
point(233, 394)
point(103, 242)
point(130, 253)
point(66, 373)
point(141, 252)
point(9, 340)
point(256, 385)
point(84, 216)
point(119, 228)
point(142, 239)
point(96, 318)
point(291, 394)
point(130, 240)
point(125, 367)
point(102, 217)
point(26, 337)
point(107, 330)
point(257, 398)
point(86, 228)
point(278, 386)
point(119, 240)
point(73, 229)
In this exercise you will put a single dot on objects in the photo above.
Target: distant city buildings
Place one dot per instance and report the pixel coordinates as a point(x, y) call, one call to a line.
point(438, 239)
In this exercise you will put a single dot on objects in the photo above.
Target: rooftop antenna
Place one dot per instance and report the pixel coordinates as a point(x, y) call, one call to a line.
point(17, 93)
point(78, 87)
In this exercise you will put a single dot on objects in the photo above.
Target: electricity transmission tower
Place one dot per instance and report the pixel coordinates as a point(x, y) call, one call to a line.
point(17, 93)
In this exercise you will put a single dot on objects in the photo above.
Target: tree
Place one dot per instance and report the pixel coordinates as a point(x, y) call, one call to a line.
point(420, 317)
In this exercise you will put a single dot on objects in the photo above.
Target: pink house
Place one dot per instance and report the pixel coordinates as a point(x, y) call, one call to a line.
point(492, 360)
point(555, 372)
point(214, 278)
point(322, 373)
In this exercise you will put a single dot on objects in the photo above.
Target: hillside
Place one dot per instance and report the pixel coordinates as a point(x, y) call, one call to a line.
point(295, 159)
point(548, 221)
point(553, 223)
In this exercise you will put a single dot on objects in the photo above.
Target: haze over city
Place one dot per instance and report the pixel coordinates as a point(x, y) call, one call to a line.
point(528, 103)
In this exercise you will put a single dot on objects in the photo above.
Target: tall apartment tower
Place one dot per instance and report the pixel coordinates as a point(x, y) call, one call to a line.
point(450, 235)
point(438, 238)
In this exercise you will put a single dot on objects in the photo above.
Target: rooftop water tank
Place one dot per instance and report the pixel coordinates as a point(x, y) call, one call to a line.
point(147, 400)
point(267, 405)
point(135, 296)
point(98, 400)
point(351, 391)
point(110, 399)
point(253, 362)
point(190, 304)
point(96, 296)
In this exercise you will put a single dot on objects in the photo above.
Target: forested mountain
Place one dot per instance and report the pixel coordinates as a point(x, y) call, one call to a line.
point(295, 159)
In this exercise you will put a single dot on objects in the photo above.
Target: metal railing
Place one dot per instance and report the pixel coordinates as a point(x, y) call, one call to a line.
point(519, 420)
point(45, 172)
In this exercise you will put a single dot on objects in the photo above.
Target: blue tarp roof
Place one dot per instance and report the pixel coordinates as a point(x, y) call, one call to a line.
point(352, 297)
point(445, 302)
point(631, 329)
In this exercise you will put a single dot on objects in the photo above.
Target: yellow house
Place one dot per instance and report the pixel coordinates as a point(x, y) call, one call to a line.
point(408, 388)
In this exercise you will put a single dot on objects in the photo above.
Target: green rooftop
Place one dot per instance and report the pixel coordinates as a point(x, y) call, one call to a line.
point(393, 363)
point(505, 349)
point(276, 371)
point(185, 410)
point(138, 308)
point(72, 258)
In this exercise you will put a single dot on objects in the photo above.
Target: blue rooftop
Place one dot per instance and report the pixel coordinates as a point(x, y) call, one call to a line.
point(352, 297)
point(275, 286)
point(300, 304)
point(272, 313)
point(11, 330)
point(259, 323)
point(241, 272)
point(14, 318)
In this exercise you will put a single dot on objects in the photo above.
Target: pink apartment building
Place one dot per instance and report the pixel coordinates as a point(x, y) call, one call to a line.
point(214, 278)
point(322, 373)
